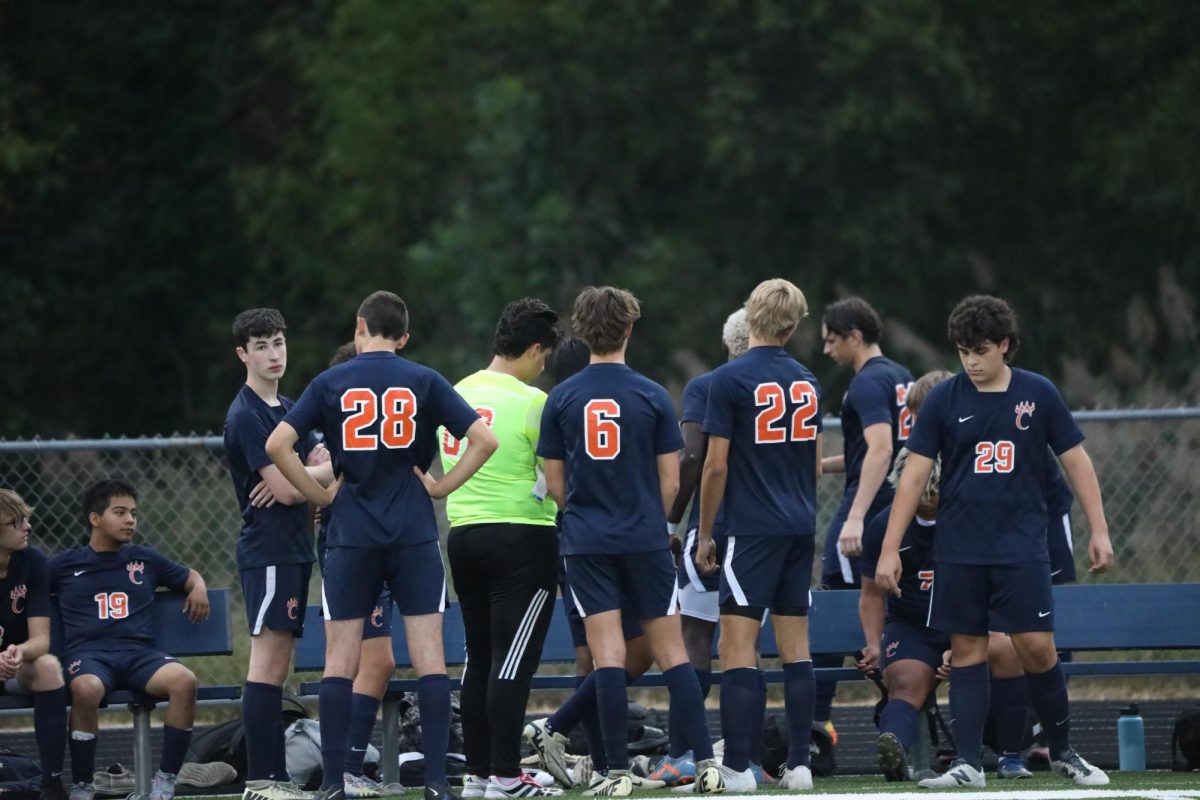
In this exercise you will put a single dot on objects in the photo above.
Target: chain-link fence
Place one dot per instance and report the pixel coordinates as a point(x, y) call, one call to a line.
point(1145, 458)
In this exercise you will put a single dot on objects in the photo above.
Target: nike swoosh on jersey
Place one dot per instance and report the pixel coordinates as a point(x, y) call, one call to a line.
point(80, 572)
point(964, 419)
point(902, 549)
point(1044, 613)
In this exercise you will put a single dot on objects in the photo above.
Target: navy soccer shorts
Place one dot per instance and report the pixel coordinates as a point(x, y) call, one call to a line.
point(1062, 550)
point(641, 584)
point(761, 572)
point(630, 627)
point(120, 668)
point(379, 622)
point(356, 576)
point(973, 599)
point(276, 597)
point(903, 641)
point(839, 571)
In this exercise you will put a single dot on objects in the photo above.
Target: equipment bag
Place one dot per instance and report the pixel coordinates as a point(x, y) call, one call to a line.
point(20, 776)
point(1186, 739)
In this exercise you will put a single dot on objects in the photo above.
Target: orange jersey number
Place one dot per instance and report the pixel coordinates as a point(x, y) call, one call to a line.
point(453, 447)
point(771, 396)
point(995, 457)
point(398, 427)
point(602, 434)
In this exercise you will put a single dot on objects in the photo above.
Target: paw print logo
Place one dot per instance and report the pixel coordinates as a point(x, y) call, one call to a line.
point(73, 669)
point(892, 648)
point(1024, 411)
point(377, 617)
point(292, 605)
point(17, 595)
point(135, 569)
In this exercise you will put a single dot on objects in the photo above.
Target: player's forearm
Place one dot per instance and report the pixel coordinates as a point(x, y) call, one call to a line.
point(195, 582)
point(279, 450)
point(712, 489)
point(476, 455)
point(871, 611)
point(36, 646)
point(691, 465)
point(904, 507)
point(833, 464)
point(322, 473)
point(874, 471)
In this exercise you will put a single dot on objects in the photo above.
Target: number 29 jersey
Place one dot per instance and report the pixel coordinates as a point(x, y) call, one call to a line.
point(766, 404)
point(380, 415)
point(609, 424)
point(992, 501)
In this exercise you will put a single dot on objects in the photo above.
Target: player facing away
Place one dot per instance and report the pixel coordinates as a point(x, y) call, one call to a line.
point(274, 548)
point(105, 593)
point(379, 414)
point(991, 425)
point(610, 442)
point(26, 663)
point(875, 424)
point(764, 456)
point(503, 552)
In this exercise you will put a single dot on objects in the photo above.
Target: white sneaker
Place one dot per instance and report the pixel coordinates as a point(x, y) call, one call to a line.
point(960, 775)
point(798, 778)
point(473, 786)
point(615, 784)
point(523, 786)
point(738, 781)
point(162, 786)
point(581, 771)
point(1074, 767)
point(708, 778)
point(551, 747)
point(274, 790)
point(643, 784)
point(358, 786)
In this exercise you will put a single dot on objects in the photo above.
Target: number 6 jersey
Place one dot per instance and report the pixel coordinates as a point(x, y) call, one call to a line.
point(105, 598)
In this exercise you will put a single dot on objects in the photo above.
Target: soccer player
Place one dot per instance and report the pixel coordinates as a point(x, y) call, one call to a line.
point(379, 414)
point(990, 424)
point(26, 663)
point(898, 641)
point(764, 456)
point(503, 552)
point(875, 424)
point(105, 593)
point(610, 443)
point(274, 549)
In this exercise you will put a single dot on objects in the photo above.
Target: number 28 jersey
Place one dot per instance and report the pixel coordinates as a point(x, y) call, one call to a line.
point(992, 503)
point(766, 404)
point(380, 415)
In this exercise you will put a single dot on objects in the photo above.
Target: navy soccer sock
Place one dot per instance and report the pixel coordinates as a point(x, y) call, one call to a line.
point(363, 709)
point(759, 712)
point(281, 773)
point(678, 745)
point(825, 690)
point(1048, 696)
point(261, 716)
point(613, 706)
point(687, 704)
point(433, 700)
point(174, 748)
point(83, 757)
point(1010, 711)
point(334, 707)
point(799, 690)
point(577, 707)
point(969, 700)
point(50, 730)
point(739, 693)
point(591, 727)
point(900, 719)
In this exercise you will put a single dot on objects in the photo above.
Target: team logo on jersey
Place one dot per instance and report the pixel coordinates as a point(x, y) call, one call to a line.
point(926, 578)
point(1025, 410)
point(377, 617)
point(18, 598)
point(292, 605)
point(74, 668)
point(892, 648)
point(136, 569)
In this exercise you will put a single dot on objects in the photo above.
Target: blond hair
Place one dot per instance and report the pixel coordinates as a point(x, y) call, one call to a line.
point(923, 386)
point(602, 315)
point(775, 306)
point(12, 507)
point(736, 333)
point(931, 486)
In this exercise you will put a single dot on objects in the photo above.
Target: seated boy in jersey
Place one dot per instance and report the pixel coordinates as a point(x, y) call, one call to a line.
point(105, 594)
point(274, 548)
point(764, 456)
point(379, 414)
point(610, 443)
point(991, 425)
point(898, 640)
point(26, 664)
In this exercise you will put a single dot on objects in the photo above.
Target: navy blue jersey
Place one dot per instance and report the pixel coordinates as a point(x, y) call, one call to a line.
point(993, 488)
point(609, 424)
point(105, 598)
point(280, 534)
point(24, 593)
point(877, 395)
point(379, 414)
point(766, 404)
point(695, 404)
point(916, 566)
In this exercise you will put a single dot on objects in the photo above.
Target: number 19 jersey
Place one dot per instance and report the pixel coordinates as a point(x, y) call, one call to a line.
point(609, 424)
point(766, 404)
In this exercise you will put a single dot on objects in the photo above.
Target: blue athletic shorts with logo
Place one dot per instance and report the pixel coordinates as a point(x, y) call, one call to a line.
point(630, 627)
point(120, 668)
point(356, 576)
point(903, 641)
point(641, 584)
point(973, 599)
point(379, 622)
point(276, 597)
point(761, 572)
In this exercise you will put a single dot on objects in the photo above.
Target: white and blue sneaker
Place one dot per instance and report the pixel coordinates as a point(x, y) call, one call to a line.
point(474, 787)
point(1010, 767)
point(1071, 765)
point(675, 771)
point(961, 775)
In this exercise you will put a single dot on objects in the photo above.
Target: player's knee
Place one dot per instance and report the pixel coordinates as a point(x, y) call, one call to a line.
point(182, 685)
point(87, 691)
point(908, 685)
point(46, 673)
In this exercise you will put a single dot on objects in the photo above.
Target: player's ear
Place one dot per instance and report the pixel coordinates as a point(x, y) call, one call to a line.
point(1005, 343)
point(403, 341)
point(241, 354)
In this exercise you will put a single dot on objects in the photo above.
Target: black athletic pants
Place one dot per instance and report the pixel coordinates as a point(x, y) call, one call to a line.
point(505, 576)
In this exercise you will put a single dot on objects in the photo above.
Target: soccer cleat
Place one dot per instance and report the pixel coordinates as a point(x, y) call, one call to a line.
point(738, 781)
point(832, 731)
point(616, 783)
point(473, 786)
point(1071, 765)
point(439, 792)
point(523, 786)
point(274, 790)
point(383, 789)
point(162, 786)
point(675, 771)
point(960, 775)
point(798, 778)
point(332, 793)
point(551, 747)
point(582, 771)
point(52, 789)
point(357, 786)
point(1011, 767)
point(82, 791)
point(891, 758)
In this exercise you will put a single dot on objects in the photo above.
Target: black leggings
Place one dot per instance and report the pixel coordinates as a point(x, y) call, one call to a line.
point(505, 575)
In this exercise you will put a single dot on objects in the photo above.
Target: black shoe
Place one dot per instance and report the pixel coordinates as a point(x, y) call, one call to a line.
point(332, 793)
point(890, 756)
point(53, 789)
point(441, 792)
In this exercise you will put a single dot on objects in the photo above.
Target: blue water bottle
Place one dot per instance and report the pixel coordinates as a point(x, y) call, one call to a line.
point(1131, 740)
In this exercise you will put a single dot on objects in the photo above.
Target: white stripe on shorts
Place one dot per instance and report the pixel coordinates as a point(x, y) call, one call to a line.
point(516, 650)
point(735, 587)
point(324, 601)
point(689, 562)
point(673, 606)
point(268, 596)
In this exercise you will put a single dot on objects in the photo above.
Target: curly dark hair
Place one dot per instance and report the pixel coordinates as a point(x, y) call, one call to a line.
point(982, 318)
point(524, 323)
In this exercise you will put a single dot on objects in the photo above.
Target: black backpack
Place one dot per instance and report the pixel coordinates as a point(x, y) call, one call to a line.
point(775, 748)
point(20, 776)
point(1186, 738)
point(227, 741)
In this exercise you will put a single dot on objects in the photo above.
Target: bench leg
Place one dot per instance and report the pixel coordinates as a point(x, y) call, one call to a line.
point(143, 757)
point(922, 754)
point(390, 755)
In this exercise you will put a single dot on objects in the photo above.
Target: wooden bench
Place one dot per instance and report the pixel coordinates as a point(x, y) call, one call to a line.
point(172, 634)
